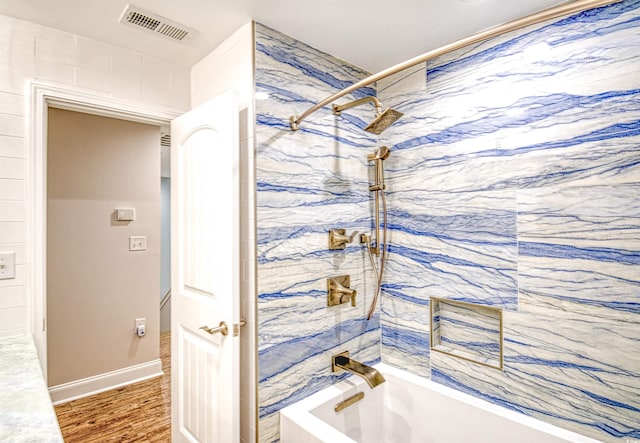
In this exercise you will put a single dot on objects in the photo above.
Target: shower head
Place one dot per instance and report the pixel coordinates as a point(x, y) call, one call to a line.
point(382, 153)
point(383, 120)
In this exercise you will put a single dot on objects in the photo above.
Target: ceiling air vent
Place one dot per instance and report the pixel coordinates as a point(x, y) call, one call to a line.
point(147, 21)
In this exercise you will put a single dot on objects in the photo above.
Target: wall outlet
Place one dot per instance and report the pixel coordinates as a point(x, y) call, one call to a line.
point(140, 327)
point(138, 243)
point(7, 265)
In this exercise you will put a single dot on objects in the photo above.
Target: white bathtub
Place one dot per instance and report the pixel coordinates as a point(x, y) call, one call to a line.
point(410, 409)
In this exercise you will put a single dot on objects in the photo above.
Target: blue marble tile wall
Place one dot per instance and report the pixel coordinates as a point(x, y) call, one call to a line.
point(514, 182)
point(308, 182)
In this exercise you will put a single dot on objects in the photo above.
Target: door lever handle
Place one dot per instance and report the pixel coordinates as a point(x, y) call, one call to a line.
point(222, 328)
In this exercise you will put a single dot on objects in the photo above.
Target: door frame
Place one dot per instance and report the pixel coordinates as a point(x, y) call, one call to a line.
point(42, 97)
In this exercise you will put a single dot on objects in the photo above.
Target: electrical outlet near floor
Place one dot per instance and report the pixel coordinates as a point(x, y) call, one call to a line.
point(138, 243)
point(141, 327)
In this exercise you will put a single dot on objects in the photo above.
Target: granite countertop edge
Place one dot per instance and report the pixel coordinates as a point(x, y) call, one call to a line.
point(26, 411)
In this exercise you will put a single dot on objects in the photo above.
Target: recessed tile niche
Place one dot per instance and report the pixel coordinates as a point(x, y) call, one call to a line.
point(468, 331)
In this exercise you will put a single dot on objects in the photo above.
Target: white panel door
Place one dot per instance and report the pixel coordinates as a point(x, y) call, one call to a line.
point(205, 393)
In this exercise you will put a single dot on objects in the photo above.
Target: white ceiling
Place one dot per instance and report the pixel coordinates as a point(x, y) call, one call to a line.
point(372, 34)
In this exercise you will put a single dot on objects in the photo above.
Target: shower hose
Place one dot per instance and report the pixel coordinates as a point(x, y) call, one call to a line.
point(383, 255)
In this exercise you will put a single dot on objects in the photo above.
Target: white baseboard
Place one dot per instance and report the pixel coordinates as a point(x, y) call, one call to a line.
point(104, 382)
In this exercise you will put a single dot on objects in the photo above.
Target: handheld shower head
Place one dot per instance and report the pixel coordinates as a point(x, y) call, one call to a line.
point(383, 121)
point(382, 153)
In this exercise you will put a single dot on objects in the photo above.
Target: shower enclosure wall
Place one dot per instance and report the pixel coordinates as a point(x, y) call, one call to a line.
point(308, 182)
point(513, 183)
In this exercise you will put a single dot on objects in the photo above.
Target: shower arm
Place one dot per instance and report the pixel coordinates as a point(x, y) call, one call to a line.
point(537, 17)
point(337, 109)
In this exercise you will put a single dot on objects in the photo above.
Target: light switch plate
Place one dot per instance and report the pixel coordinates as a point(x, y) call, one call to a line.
point(125, 214)
point(7, 265)
point(138, 243)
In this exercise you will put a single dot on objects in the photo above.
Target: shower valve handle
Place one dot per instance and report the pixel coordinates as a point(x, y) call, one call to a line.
point(339, 292)
point(338, 238)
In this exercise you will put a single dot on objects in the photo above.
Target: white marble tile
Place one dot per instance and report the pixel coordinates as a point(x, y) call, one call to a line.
point(296, 378)
point(561, 367)
point(512, 182)
point(308, 182)
point(579, 247)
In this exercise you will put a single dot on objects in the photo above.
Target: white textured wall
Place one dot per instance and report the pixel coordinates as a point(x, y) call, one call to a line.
point(33, 52)
point(230, 66)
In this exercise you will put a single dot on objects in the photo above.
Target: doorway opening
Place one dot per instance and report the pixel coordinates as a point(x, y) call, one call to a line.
point(165, 230)
point(46, 97)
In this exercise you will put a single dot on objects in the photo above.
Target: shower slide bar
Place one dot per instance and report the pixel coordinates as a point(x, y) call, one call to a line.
point(571, 7)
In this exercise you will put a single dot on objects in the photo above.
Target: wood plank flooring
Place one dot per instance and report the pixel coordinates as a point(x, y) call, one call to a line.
point(140, 412)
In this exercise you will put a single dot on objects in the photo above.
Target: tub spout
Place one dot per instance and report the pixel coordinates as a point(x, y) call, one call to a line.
point(342, 361)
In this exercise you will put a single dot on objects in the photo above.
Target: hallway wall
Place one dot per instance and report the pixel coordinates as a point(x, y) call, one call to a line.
point(96, 287)
point(165, 232)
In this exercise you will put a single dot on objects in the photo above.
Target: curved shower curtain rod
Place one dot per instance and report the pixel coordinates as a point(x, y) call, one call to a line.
point(546, 14)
